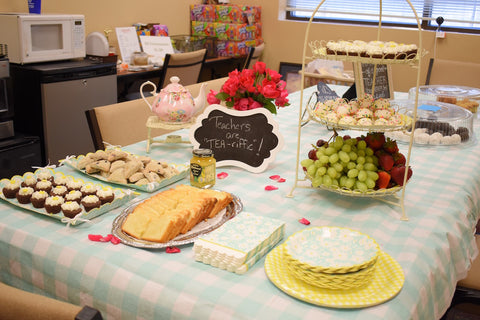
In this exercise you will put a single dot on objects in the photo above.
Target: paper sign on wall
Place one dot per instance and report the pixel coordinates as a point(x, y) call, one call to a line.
point(127, 42)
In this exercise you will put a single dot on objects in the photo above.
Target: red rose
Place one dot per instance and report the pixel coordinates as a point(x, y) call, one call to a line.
point(211, 99)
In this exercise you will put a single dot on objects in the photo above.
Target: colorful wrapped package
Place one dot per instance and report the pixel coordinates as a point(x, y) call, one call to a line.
point(200, 28)
point(202, 12)
point(229, 48)
point(234, 31)
point(239, 243)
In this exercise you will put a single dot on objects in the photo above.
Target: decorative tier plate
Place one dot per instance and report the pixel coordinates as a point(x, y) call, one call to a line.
point(331, 250)
point(386, 282)
point(150, 187)
point(204, 227)
point(121, 198)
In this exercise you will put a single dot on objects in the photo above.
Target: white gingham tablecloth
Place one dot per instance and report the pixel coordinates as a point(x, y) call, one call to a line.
point(434, 247)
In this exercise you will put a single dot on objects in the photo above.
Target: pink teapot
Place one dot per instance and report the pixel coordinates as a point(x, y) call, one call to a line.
point(174, 103)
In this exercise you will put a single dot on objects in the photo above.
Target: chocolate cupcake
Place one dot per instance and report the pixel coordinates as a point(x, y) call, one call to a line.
point(70, 209)
point(88, 190)
point(60, 180)
point(44, 174)
point(73, 184)
point(29, 181)
point(11, 188)
point(38, 199)
point(24, 195)
point(91, 202)
point(105, 195)
point(59, 190)
point(44, 185)
point(73, 195)
point(53, 204)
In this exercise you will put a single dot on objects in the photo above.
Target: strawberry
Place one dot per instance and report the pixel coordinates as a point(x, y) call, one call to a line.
point(383, 179)
point(375, 140)
point(385, 161)
point(390, 146)
point(398, 174)
point(399, 159)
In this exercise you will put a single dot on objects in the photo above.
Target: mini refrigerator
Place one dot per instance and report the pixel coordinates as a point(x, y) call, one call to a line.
point(51, 100)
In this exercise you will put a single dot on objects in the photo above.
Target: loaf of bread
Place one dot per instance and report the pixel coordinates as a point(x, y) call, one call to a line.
point(175, 211)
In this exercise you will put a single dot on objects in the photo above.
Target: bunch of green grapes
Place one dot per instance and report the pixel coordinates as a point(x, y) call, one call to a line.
point(345, 163)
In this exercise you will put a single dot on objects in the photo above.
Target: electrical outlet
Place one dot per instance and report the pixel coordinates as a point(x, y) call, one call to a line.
point(440, 34)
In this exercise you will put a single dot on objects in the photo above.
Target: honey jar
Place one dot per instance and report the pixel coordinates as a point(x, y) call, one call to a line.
point(202, 168)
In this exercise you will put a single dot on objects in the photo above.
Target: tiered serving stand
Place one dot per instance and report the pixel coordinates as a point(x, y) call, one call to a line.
point(319, 52)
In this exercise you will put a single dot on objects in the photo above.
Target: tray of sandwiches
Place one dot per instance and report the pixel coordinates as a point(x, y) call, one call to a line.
point(175, 217)
point(117, 166)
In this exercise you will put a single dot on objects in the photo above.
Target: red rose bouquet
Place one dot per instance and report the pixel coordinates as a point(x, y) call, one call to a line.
point(252, 88)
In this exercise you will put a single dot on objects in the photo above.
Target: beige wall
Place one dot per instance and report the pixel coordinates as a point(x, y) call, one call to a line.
point(284, 39)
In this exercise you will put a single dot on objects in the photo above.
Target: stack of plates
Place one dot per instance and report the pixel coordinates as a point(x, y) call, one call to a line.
point(331, 257)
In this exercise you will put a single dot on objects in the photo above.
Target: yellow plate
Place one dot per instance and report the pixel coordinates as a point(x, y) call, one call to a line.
point(387, 281)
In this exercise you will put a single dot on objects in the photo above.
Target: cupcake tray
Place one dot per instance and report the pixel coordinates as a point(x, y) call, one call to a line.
point(121, 197)
point(204, 227)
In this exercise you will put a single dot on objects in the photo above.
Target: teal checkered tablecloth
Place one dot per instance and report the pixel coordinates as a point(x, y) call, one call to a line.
point(434, 247)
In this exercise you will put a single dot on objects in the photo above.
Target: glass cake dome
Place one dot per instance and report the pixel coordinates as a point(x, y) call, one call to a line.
point(466, 97)
point(438, 123)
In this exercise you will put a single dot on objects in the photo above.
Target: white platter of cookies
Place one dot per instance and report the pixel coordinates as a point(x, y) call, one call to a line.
point(123, 168)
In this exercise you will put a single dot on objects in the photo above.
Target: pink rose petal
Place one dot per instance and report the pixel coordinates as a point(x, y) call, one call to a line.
point(222, 175)
point(95, 237)
point(275, 177)
point(304, 221)
point(270, 188)
point(172, 250)
point(107, 238)
point(115, 240)
point(281, 180)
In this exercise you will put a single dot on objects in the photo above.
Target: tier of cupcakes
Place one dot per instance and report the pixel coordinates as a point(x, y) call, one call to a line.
point(331, 257)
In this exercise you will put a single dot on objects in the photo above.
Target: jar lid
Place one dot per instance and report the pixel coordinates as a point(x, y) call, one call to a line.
point(203, 153)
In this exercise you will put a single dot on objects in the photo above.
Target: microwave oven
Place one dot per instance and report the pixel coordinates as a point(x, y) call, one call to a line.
point(34, 38)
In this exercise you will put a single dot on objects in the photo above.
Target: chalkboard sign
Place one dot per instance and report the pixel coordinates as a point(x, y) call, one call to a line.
point(247, 139)
point(364, 74)
point(324, 93)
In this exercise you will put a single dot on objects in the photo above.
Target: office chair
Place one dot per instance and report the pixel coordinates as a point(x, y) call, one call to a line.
point(254, 55)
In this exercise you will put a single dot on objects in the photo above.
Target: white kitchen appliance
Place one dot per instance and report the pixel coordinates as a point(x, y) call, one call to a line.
point(42, 37)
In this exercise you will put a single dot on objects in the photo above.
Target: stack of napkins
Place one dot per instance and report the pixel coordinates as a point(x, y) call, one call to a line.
point(239, 243)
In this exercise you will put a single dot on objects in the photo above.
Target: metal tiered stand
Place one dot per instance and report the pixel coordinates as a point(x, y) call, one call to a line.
point(319, 52)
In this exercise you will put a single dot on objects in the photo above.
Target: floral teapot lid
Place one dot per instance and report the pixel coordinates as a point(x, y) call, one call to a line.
point(174, 86)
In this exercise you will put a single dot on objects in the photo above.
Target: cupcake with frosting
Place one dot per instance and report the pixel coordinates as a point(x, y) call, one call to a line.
point(53, 204)
point(74, 195)
point(24, 195)
point(348, 120)
point(88, 189)
point(60, 180)
point(70, 209)
point(332, 117)
point(11, 188)
point(45, 185)
point(38, 199)
point(29, 181)
point(383, 114)
point(381, 122)
point(91, 202)
point(105, 195)
point(73, 184)
point(44, 174)
point(364, 113)
point(59, 190)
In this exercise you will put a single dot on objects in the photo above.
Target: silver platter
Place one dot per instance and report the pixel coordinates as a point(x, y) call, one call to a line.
point(204, 227)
